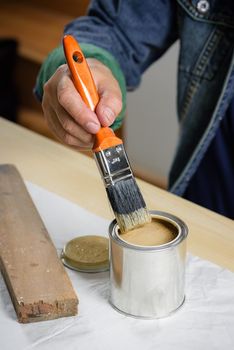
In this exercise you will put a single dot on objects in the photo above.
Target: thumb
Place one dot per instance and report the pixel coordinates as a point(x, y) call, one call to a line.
point(110, 103)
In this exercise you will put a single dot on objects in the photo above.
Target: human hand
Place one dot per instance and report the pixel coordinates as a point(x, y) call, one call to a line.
point(68, 117)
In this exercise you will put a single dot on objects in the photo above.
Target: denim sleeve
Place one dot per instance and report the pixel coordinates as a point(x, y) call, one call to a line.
point(135, 32)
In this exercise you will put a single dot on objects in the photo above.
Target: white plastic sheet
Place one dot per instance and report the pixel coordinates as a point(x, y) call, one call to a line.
point(206, 321)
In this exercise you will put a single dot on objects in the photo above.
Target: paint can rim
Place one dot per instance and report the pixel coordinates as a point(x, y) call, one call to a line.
point(180, 225)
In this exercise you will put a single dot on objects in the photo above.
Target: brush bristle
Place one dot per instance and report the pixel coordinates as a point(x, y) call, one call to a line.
point(128, 204)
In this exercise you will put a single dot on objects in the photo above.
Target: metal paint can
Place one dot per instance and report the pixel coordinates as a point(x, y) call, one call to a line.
point(148, 281)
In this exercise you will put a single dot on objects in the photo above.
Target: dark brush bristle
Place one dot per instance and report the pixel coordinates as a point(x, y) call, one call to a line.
point(128, 204)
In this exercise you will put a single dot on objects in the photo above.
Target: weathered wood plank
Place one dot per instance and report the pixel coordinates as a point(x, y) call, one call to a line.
point(38, 284)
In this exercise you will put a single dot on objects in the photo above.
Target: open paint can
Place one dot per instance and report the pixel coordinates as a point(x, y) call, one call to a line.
point(148, 281)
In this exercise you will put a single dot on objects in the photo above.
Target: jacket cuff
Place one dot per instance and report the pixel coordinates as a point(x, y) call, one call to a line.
point(56, 58)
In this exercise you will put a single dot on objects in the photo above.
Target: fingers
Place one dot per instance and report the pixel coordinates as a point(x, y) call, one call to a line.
point(62, 135)
point(110, 103)
point(63, 126)
point(60, 121)
point(109, 107)
point(72, 128)
point(71, 101)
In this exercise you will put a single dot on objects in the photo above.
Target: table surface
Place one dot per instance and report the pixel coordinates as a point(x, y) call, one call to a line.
point(75, 177)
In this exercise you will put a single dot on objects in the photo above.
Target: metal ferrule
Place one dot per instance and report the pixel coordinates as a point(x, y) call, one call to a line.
point(113, 165)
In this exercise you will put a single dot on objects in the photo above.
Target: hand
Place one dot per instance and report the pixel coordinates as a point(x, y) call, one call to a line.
point(70, 120)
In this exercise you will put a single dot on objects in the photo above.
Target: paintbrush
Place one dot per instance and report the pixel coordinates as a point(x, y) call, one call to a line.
point(122, 190)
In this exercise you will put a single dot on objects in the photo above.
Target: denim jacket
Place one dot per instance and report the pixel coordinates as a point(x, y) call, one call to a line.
point(136, 33)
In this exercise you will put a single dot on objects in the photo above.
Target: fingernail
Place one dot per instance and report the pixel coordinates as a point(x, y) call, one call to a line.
point(109, 115)
point(92, 127)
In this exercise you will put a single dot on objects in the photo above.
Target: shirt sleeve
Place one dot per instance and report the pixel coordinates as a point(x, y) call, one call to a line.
point(135, 32)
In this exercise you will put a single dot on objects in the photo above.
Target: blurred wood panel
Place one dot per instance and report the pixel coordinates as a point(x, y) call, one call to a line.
point(37, 30)
point(74, 8)
point(25, 77)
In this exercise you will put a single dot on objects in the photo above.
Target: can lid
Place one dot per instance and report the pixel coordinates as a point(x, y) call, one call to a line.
point(87, 254)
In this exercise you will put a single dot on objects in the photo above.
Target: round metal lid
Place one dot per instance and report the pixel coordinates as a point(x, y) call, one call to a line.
point(87, 254)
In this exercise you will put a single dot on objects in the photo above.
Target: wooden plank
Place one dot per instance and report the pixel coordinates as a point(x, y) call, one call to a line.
point(69, 7)
point(38, 284)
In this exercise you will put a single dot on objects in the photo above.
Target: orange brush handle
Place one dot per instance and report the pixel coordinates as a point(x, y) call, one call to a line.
point(84, 83)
